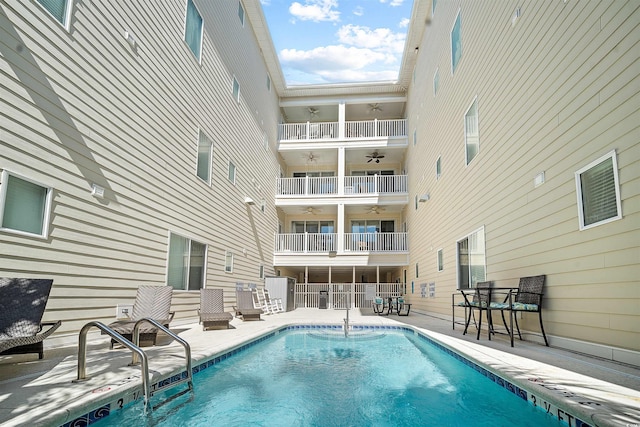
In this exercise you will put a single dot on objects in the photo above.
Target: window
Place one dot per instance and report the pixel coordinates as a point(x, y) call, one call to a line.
point(436, 82)
point(417, 271)
point(471, 260)
point(438, 168)
point(25, 205)
point(261, 271)
point(228, 262)
point(415, 137)
point(241, 13)
point(456, 44)
point(59, 9)
point(598, 191)
point(236, 90)
point(263, 205)
point(440, 260)
point(268, 83)
point(232, 173)
point(471, 132)
point(205, 149)
point(312, 227)
point(186, 263)
point(193, 30)
point(415, 202)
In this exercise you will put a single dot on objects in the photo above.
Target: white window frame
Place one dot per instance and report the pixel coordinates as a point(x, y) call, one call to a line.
point(187, 268)
point(415, 137)
point(202, 137)
point(235, 89)
point(231, 172)
point(4, 186)
point(436, 81)
point(480, 252)
point(241, 13)
point(455, 66)
point(228, 262)
point(579, 191)
point(198, 55)
point(68, 7)
point(469, 136)
point(439, 260)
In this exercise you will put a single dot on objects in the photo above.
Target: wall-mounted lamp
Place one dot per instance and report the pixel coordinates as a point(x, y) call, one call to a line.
point(424, 197)
point(249, 201)
point(97, 191)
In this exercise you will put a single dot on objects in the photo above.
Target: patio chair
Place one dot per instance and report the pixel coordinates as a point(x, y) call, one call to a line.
point(22, 304)
point(211, 311)
point(402, 307)
point(244, 306)
point(481, 301)
point(527, 297)
point(381, 306)
point(151, 302)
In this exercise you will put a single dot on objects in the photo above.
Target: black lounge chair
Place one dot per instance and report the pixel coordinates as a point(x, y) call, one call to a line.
point(151, 302)
point(22, 304)
point(211, 311)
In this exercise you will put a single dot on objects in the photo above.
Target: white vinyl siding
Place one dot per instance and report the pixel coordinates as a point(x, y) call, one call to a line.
point(471, 132)
point(187, 259)
point(193, 29)
point(59, 9)
point(598, 192)
point(24, 206)
point(205, 150)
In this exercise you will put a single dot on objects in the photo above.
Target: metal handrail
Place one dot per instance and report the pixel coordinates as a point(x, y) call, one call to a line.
point(187, 347)
point(82, 355)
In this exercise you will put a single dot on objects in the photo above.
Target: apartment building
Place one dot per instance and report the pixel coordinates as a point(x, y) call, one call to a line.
point(158, 143)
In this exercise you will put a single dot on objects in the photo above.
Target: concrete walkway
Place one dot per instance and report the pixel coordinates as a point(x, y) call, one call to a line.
point(41, 393)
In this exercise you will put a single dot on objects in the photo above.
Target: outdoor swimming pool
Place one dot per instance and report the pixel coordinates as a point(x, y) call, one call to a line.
point(319, 378)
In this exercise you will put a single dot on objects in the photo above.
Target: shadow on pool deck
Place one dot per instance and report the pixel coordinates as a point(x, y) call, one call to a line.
point(40, 392)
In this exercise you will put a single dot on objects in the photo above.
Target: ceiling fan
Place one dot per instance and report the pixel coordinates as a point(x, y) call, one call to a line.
point(375, 156)
point(310, 211)
point(310, 158)
point(373, 108)
point(375, 210)
point(313, 111)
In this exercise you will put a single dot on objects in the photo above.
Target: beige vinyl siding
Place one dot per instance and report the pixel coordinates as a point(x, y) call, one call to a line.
point(555, 92)
point(85, 108)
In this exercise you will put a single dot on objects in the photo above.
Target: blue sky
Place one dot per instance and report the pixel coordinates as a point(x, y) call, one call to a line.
point(337, 41)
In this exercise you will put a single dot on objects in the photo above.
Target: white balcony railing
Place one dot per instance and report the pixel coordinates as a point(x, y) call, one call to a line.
point(311, 186)
point(304, 243)
point(353, 129)
point(375, 184)
point(340, 294)
point(308, 185)
point(375, 242)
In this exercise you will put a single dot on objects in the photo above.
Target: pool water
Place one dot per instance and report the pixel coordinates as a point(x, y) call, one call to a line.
point(308, 378)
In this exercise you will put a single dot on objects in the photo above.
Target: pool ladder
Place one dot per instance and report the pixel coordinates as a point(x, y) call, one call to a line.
point(138, 357)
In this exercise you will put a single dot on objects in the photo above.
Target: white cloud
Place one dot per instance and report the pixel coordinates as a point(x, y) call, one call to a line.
point(358, 11)
point(315, 10)
point(380, 39)
point(393, 3)
point(404, 23)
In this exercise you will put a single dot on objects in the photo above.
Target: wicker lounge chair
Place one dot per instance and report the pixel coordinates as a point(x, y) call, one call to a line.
point(151, 302)
point(22, 304)
point(245, 307)
point(527, 297)
point(211, 311)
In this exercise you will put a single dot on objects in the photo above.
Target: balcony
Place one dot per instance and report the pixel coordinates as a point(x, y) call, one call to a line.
point(324, 186)
point(353, 130)
point(324, 243)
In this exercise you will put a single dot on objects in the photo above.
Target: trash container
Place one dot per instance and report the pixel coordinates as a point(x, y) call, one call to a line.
point(324, 299)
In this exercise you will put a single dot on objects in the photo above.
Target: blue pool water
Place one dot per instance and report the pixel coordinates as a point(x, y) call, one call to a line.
point(312, 378)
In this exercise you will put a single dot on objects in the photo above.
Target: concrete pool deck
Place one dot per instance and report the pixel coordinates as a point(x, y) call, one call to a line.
point(41, 393)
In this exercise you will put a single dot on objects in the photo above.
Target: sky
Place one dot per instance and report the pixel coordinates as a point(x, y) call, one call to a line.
point(338, 41)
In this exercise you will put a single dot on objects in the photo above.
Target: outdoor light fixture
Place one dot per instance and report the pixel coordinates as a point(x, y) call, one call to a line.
point(249, 201)
point(424, 197)
point(97, 191)
point(130, 38)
